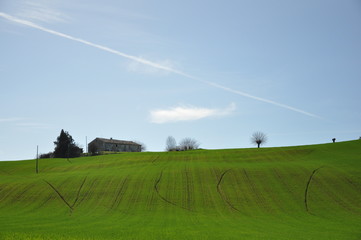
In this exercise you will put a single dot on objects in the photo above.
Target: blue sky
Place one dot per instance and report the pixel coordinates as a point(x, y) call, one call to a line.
point(216, 71)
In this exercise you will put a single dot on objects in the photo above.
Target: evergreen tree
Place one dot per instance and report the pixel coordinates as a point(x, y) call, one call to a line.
point(66, 147)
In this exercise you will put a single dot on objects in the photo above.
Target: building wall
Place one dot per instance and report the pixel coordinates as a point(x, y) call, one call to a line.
point(114, 147)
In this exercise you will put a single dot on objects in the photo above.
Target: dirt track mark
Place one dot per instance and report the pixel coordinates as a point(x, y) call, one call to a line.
point(78, 193)
point(118, 197)
point(307, 187)
point(155, 159)
point(2, 171)
point(286, 185)
point(20, 195)
point(260, 200)
point(163, 198)
point(223, 196)
point(59, 194)
point(353, 184)
point(157, 190)
point(87, 193)
point(189, 189)
point(62, 197)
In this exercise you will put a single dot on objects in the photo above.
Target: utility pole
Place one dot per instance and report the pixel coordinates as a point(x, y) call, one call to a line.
point(86, 144)
point(37, 159)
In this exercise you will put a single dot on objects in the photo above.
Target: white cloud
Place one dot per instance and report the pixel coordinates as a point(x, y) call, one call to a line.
point(189, 113)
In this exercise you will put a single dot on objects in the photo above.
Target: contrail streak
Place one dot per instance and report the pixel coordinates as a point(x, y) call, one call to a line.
point(150, 63)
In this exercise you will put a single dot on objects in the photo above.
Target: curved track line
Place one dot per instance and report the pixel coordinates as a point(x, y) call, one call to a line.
point(308, 186)
point(163, 198)
point(220, 192)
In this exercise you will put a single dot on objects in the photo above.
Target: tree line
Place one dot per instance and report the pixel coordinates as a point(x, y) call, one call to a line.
point(257, 138)
point(184, 145)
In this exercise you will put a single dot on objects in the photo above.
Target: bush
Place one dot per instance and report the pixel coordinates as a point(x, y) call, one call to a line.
point(47, 155)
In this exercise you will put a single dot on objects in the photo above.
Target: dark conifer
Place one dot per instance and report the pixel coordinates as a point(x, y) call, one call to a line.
point(65, 146)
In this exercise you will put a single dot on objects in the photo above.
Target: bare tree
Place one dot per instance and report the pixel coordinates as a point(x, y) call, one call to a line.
point(143, 147)
point(258, 138)
point(170, 144)
point(188, 144)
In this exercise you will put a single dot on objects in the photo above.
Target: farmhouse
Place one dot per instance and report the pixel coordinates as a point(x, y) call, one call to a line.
point(113, 145)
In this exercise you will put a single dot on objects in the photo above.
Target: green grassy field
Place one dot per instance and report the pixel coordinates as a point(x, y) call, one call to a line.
point(305, 192)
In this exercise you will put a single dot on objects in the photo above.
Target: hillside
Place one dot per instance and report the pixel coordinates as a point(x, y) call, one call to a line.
point(305, 192)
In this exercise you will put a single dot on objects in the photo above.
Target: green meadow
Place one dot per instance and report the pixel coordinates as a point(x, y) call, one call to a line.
point(303, 192)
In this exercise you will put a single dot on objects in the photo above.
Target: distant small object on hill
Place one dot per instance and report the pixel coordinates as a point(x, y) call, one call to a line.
point(258, 138)
point(333, 139)
point(184, 145)
point(112, 145)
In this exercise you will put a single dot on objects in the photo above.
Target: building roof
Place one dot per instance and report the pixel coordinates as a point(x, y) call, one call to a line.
point(115, 141)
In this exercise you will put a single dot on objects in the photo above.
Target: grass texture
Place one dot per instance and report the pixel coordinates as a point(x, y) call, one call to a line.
point(304, 192)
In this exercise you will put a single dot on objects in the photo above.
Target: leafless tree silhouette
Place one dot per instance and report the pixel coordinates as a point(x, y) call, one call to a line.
point(259, 138)
point(188, 144)
point(170, 144)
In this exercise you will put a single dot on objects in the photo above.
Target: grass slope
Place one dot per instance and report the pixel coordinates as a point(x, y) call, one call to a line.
point(306, 192)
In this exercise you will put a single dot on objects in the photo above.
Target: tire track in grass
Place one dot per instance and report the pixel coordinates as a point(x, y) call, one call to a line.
point(7, 192)
point(272, 189)
point(286, 186)
point(352, 184)
point(61, 196)
point(157, 190)
point(358, 188)
point(44, 202)
point(202, 177)
point(88, 193)
point(20, 196)
point(190, 187)
point(155, 159)
point(329, 187)
point(307, 187)
point(71, 206)
point(78, 193)
point(221, 193)
point(163, 198)
point(260, 200)
point(6, 173)
point(241, 193)
point(119, 195)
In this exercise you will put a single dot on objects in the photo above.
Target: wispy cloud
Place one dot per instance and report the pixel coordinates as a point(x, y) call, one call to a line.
point(188, 113)
point(23, 123)
point(154, 65)
point(14, 119)
point(33, 125)
point(41, 10)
